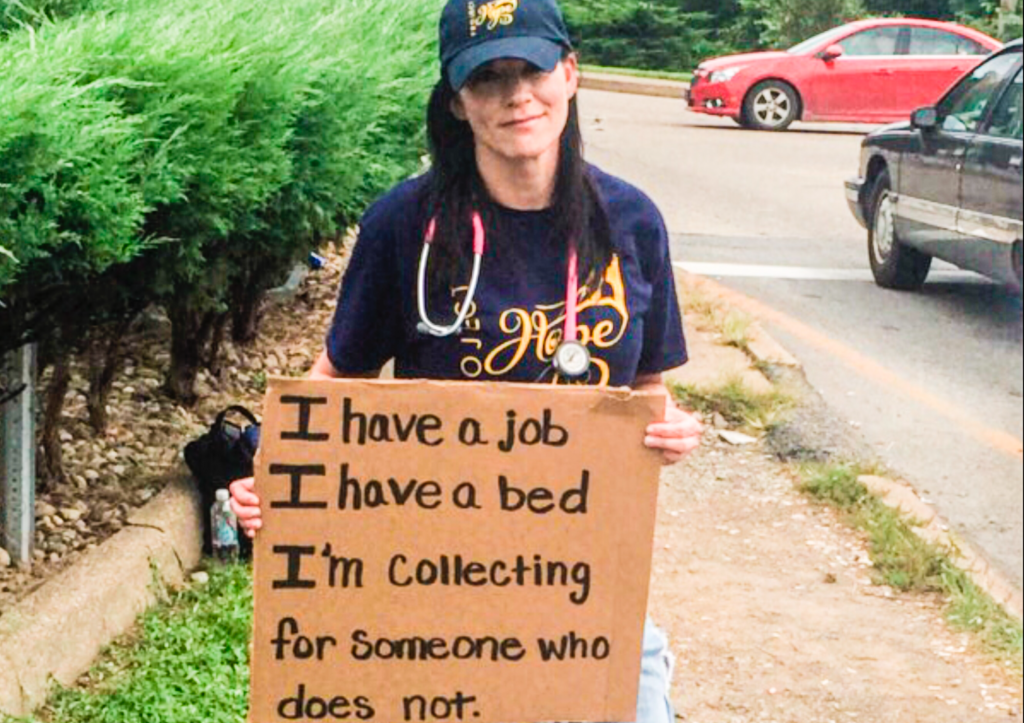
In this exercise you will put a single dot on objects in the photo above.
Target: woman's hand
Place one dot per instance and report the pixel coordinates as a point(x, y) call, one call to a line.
point(677, 436)
point(246, 505)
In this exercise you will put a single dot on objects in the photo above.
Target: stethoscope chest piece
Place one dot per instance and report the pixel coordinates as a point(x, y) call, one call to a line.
point(572, 360)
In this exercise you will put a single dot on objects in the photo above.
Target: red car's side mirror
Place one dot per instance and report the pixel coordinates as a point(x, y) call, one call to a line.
point(832, 52)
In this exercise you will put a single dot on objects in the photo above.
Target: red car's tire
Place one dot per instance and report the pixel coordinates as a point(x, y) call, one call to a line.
point(894, 264)
point(771, 105)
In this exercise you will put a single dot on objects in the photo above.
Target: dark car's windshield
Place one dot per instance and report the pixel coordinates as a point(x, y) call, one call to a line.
point(964, 107)
point(812, 43)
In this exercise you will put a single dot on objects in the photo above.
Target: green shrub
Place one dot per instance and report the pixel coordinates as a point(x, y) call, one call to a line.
point(18, 14)
point(250, 133)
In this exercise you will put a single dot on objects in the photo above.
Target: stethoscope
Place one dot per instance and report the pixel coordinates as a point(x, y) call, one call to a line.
point(571, 360)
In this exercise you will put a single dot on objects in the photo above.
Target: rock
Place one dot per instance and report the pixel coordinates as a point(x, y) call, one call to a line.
point(736, 439)
point(71, 514)
point(5, 558)
point(200, 578)
point(44, 509)
point(720, 421)
point(65, 436)
point(119, 470)
point(144, 495)
point(91, 474)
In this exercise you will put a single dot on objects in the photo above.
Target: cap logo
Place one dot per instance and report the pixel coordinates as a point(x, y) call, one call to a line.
point(492, 14)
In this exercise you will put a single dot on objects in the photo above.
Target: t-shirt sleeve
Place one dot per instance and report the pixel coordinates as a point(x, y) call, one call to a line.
point(664, 340)
point(366, 330)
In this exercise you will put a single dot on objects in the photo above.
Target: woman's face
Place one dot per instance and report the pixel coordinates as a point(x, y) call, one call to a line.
point(517, 111)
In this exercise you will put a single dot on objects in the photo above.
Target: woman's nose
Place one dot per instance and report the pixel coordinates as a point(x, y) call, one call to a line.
point(518, 88)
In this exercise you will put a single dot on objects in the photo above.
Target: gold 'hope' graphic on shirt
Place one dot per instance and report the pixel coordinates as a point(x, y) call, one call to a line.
point(492, 14)
point(537, 333)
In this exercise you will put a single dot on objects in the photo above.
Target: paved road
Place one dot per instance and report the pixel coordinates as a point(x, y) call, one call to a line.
point(933, 379)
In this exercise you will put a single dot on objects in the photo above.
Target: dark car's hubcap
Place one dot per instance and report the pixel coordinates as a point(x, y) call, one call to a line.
point(885, 232)
point(772, 106)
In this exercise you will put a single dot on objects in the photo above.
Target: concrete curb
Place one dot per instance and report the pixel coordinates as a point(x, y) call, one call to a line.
point(901, 497)
point(56, 633)
point(635, 86)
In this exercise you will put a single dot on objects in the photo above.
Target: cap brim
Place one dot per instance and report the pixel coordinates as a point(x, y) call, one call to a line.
point(543, 53)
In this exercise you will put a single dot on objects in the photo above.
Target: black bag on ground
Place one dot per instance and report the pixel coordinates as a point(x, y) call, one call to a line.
point(219, 457)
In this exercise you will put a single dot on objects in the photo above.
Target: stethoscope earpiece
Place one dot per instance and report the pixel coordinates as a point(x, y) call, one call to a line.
point(572, 358)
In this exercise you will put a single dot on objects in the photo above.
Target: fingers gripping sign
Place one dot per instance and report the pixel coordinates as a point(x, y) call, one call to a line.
point(246, 505)
point(677, 437)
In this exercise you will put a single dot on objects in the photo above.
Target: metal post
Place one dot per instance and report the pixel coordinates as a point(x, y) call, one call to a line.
point(17, 454)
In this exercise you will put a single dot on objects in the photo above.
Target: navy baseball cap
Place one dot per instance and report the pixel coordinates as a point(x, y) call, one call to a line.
point(473, 33)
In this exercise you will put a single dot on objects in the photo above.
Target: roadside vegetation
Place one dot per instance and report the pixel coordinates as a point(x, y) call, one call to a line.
point(905, 562)
point(184, 157)
point(187, 660)
point(737, 405)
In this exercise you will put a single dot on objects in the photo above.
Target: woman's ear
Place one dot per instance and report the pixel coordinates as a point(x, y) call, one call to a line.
point(458, 109)
point(571, 64)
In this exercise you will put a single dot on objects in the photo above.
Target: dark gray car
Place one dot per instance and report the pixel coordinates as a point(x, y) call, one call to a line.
point(949, 183)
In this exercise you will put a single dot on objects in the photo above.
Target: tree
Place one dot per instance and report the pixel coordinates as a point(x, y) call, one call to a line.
point(784, 23)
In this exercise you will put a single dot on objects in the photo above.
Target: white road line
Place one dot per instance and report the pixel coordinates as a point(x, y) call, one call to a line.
point(802, 273)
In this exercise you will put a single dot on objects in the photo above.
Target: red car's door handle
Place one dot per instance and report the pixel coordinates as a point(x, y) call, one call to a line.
point(883, 71)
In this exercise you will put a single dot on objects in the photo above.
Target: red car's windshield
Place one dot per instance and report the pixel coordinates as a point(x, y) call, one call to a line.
point(812, 43)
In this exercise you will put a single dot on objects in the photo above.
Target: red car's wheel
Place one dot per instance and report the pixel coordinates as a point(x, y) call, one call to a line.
point(771, 106)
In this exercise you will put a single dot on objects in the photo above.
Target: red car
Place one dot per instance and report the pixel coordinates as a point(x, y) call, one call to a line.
point(871, 71)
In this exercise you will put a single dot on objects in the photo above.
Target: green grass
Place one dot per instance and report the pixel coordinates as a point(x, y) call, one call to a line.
point(741, 406)
point(905, 562)
point(188, 660)
point(636, 73)
point(732, 325)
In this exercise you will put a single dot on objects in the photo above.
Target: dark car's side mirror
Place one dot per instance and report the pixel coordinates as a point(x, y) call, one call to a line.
point(925, 119)
point(831, 53)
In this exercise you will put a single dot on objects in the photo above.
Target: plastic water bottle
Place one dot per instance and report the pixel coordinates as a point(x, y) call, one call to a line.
point(224, 528)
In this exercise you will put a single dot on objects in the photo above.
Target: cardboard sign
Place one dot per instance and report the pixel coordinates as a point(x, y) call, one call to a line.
point(452, 552)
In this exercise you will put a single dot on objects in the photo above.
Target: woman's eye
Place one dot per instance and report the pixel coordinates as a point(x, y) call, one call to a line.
point(484, 77)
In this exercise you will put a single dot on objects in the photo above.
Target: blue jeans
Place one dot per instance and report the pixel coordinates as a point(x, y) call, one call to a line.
point(654, 704)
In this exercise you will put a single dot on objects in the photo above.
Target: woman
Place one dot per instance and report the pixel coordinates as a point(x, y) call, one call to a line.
point(509, 182)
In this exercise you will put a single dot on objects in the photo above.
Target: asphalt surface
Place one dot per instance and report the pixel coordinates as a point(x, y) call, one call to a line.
point(932, 380)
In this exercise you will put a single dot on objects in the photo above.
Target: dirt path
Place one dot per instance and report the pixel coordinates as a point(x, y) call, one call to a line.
point(773, 617)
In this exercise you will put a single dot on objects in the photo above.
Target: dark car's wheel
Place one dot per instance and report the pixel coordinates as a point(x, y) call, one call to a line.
point(771, 106)
point(894, 264)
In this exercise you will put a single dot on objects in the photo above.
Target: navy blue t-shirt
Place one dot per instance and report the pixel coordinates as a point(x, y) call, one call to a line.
point(631, 324)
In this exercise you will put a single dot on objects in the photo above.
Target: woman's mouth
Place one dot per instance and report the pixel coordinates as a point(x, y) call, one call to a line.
point(523, 122)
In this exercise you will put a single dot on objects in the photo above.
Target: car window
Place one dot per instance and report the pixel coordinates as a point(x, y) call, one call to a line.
point(963, 109)
point(1008, 117)
point(931, 41)
point(812, 43)
point(876, 41)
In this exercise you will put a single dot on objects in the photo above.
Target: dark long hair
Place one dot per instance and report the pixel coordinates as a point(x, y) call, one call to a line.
point(457, 190)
